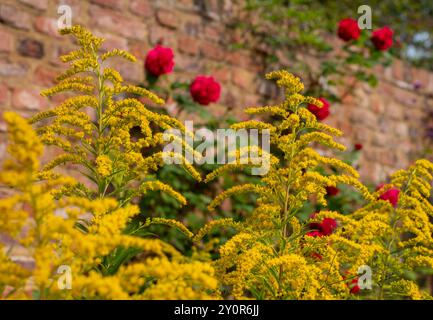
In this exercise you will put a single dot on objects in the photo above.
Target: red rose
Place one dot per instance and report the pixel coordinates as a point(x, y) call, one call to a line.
point(159, 61)
point(382, 38)
point(354, 288)
point(353, 284)
point(332, 191)
point(205, 90)
point(348, 29)
point(314, 225)
point(320, 113)
point(327, 226)
point(391, 195)
point(324, 228)
point(314, 233)
point(358, 146)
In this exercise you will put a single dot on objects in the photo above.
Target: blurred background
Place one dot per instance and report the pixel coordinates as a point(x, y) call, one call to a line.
point(381, 98)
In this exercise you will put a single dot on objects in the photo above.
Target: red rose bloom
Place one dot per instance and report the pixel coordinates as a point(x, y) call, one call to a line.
point(354, 288)
point(205, 90)
point(314, 233)
point(358, 146)
point(353, 285)
point(391, 195)
point(382, 38)
point(348, 29)
point(320, 113)
point(159, 61)
point(327, 226)
point(324, 228)
point(332, 191)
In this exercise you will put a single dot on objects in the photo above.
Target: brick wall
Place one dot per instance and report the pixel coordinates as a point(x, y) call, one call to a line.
point(390, 120)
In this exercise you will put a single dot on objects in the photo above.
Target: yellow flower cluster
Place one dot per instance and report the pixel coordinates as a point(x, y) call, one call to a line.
point(275, 257)
point(81, 240)
point(109, 148)
point(78, 235)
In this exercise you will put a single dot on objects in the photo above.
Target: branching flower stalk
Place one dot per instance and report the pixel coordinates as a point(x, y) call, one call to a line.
point(276, 254)
point(112, 157)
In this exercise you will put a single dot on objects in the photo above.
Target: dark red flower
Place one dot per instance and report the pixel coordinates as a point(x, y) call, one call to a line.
point(348, 29)
point(390, 195)
point(159, 61)
point(332, 191)
point(357, 146)
point(205, 90)
point(320, 113)
point(314, 225)
point(327, 226)
point(354, 287)
point(317, 256)
point(314, 233)
point(324, 228)
point(353, 284)
point(382, 38)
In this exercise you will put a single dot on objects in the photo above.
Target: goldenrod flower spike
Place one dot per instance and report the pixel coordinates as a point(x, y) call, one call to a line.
point(103, 147)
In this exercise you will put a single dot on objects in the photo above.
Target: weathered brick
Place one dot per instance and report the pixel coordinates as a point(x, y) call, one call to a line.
point(15, 17)
point(213, 32)
point(44, 76)
point(112, 41)
point(115, 4)
point(37, 4)
point(397, 69)
point(380, 140)
point(31, 48)
point(243, 79)
point(130, 71)
point(394, 111)
point(47, 26)
point(238, 58)
point(212, 51)
point(188, 45)
point(4, 94)
point(129, 27)
point(139, 50)
point(162, 35)
point(12, 69)
point(192, 26)
point(141, 8)
point(377, 104)
point(251, 100)
point(401, 129)
point(189, 64)
point(28, 99)
point(167, 18)
point(222, 74)
point(6, 41)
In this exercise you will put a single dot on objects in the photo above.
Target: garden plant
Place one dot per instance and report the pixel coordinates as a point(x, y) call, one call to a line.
point(99, 219)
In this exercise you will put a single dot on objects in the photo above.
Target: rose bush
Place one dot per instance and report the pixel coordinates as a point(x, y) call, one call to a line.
point(159, 61)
